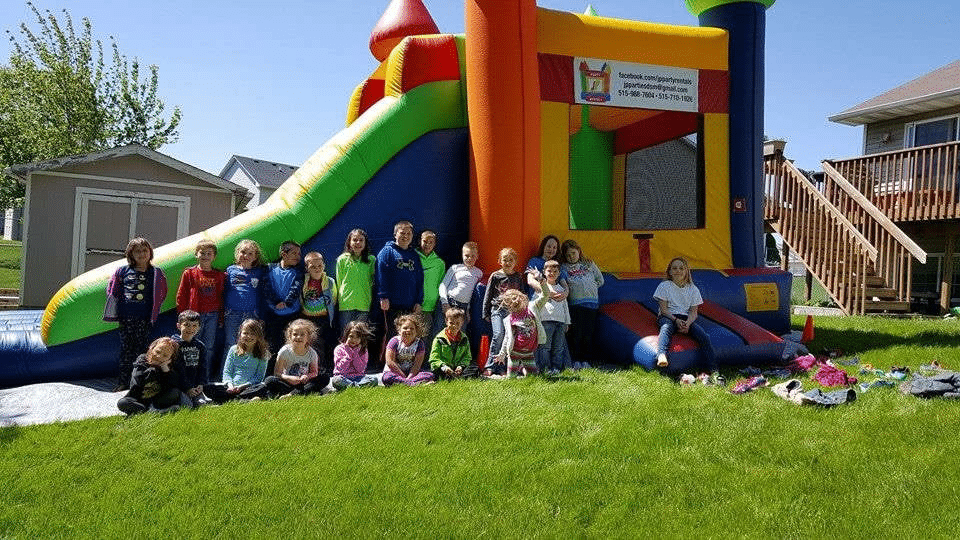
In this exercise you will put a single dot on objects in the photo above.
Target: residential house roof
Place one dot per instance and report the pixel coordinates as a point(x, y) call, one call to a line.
point(264, 173)
point(21, 171)
point(938, 89)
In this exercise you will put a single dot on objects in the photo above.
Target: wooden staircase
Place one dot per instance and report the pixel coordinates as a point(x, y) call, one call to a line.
point(855, 251)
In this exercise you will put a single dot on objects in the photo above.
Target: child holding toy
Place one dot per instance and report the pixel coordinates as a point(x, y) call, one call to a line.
point(679, 301)
point(243, 290)
point(355, 269)
point(134, 296)
point(350, 357)
point(319, 298)
point(245, 366)
point(296, 370)
point(283, 288)
point(523, 332)
point(404, 354)
point(456, 289)
point(585, 280)
point(450, 356)
point(201, 290)
point(153, 383)
point(502, 280)
point(433, 272)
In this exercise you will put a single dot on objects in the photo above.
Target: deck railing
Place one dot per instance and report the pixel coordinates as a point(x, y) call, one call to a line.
point(831, 247)
point(916, 184)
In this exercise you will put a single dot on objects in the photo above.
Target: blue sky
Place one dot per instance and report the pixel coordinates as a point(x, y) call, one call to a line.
point(271, 79)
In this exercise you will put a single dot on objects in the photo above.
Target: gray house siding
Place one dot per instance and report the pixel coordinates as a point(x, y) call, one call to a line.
point(893, 131)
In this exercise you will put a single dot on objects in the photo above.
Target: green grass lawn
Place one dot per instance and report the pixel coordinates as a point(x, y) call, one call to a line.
point(818, 295)
point(625, 454)
point(10, 264)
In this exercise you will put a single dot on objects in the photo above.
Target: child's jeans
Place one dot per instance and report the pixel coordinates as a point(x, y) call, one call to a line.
point(208, 336)
point(555, 349)
point(668, 328)
point(496, 341)
point(391, 378)
point(348, 316)
point(342, 382)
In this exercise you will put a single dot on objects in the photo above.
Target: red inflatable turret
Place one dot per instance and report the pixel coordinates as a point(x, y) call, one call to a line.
point(402, 18)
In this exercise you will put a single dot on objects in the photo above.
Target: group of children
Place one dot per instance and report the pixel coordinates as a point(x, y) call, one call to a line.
point(294, 312)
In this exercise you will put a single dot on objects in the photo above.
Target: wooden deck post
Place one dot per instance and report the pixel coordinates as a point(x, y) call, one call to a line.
point(946, 278)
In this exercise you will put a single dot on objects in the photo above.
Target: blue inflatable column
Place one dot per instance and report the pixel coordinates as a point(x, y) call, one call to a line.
point(745, 21)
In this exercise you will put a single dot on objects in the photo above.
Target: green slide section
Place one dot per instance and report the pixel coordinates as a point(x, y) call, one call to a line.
point(297, 210)
point(591, 177)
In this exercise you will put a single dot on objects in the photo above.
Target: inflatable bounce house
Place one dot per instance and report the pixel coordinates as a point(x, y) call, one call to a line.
point(534, 122)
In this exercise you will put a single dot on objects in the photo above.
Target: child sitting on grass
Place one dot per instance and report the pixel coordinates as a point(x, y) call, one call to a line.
point(153, 384)
point(296, 369)
point(350, 357)
point(245, 366)
point(450, 356)
point(523, 332)
point(404, 354)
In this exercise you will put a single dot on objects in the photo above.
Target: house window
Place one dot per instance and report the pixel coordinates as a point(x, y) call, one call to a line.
point(934, 131)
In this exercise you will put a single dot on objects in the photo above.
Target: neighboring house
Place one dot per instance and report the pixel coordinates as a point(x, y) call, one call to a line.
point(881, 231)
point(11, 223)
point(80, 211)
point(260, 177)
point(924, 112)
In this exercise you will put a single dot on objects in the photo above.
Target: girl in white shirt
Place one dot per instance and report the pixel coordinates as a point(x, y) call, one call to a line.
point(679, 301)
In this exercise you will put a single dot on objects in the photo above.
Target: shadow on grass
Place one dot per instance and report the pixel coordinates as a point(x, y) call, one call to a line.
point(859, 341)
point(8, 433)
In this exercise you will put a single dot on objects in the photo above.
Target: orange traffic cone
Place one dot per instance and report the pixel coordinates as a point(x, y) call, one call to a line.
point(807, 330)
point(484, 351)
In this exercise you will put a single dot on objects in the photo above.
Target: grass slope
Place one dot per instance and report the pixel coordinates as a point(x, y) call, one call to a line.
point(594, 454)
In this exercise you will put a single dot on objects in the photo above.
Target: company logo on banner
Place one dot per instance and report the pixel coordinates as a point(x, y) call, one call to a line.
point(638, 86)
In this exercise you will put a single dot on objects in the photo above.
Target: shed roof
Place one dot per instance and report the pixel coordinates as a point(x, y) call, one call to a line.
point(938, 89)
point(264, 173)
point(20, 171)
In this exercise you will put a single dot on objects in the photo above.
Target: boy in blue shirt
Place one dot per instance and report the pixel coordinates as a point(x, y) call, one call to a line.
point(190, 360)
point(284, 285)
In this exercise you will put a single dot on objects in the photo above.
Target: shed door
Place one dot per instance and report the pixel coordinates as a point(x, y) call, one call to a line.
point(107, 220)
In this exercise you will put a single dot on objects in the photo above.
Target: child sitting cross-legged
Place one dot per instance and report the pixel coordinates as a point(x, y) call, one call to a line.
point(296, 369)
point(350, 357)
point(450, 356)
point(245, 366)
point(154, 382)
point(522, 331)
point(404, 354)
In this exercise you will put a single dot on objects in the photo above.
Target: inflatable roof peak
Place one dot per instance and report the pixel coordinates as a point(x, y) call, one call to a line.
point(402, 18)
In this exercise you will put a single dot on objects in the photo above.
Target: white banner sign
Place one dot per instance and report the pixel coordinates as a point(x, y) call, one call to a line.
point(638, 86)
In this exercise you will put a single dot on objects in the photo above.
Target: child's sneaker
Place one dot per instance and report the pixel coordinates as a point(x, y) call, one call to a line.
point(662, 360)
point(718, 379)
point(687, 378)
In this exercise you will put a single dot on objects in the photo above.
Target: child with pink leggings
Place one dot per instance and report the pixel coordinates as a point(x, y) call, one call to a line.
point(404, 354)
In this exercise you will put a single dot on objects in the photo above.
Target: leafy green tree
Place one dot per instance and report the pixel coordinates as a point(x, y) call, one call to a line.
point(59, 97)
